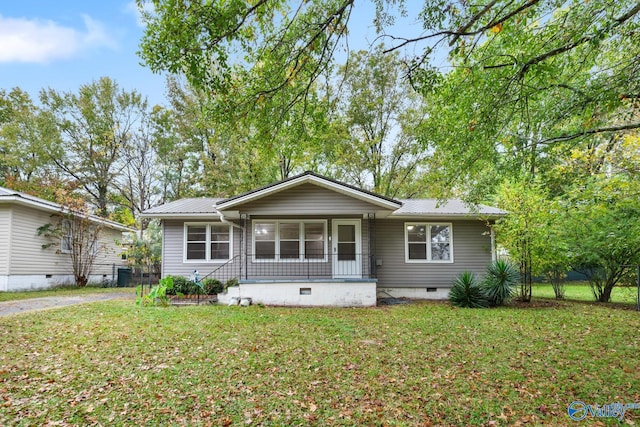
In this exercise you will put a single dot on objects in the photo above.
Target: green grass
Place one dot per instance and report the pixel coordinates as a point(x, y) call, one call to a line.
point(580, 291)
point(60, 291)
point(112, 363)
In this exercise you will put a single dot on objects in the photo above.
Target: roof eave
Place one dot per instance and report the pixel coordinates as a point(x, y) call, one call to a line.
point(179, 215)
point(474, 216)
point(55, 208)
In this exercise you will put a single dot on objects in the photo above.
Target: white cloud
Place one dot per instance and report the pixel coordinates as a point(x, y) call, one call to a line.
point(132, 8)
point(43, 41)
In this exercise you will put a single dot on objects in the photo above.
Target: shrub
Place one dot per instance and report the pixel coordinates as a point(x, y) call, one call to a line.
point(157, 295)
point(500, 281)
point(466, 292)
point(181, 285)
point(212, 286)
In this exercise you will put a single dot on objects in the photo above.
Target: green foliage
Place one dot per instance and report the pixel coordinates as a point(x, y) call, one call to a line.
point(379, 113)
point(157, 296)
point(467, 292)
point(146, 252)
point(212, 286)
point(533, 232)
point(181, 285)
point(604, 232)
point(184, 286)
point(93, 129)
point(500, 281)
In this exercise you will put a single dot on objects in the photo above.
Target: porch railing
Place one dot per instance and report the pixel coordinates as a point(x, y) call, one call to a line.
point(318, 266)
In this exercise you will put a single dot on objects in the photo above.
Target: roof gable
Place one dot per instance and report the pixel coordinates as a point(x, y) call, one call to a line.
point(312, 178)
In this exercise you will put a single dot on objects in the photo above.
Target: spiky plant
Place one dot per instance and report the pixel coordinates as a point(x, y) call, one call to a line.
point(500, 281)
point(466, 292)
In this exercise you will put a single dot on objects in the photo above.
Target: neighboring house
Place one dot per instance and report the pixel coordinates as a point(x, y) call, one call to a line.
point(25, 264)
point(311, 240)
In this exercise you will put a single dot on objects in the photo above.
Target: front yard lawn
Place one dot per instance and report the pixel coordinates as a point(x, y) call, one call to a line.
point(60, 292)
point(419, 364)
point(581, 291)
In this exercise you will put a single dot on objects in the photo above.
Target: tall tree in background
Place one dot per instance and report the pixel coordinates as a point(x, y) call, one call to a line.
point(23, 164)
point(281, 45)
point(139, 180)
point(95, 128)
point(381, 114)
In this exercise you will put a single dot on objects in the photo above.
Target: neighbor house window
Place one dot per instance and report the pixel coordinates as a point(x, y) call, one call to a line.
point(208, 242)
point(428, 242)
point(66, 241)
point(289, 240)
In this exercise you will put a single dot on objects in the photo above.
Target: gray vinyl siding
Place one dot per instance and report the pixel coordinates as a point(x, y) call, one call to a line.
point(173, 250)
point(5, 242)
point(307, 199)
point(110, 253)
point(28, 257)
point(471, 252)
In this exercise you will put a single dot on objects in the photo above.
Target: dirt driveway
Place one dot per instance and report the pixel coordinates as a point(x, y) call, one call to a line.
point(8, 308)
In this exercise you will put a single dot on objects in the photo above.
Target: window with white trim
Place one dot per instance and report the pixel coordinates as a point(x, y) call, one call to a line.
point(290, 240)
point(66, 240)
point(428, 242)
point(207, 242)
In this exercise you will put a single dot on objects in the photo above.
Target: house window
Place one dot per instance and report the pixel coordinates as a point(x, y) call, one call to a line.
point(290, 240)
point(265, 240)
point(66, 241)
point(208, 242)
point(428, 242)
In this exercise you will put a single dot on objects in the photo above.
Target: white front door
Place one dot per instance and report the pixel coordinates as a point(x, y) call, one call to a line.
point(347, 248)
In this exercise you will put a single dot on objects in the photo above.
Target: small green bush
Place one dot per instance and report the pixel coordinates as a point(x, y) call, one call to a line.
point(500, 281)
point(212, 286)
point(181, 285)
point(467, 292)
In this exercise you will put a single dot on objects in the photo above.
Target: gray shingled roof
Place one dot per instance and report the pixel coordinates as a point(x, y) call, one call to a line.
point(205, 206)
point(199, 206)
point(427, 207)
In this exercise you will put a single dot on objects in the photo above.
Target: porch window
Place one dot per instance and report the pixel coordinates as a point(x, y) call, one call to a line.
point(208, 242)
point(428, 242)
point(290, 240)
point(265, 240)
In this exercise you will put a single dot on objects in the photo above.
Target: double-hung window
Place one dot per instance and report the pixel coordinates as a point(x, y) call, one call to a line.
point(289, 240)
point(208, 242)
point(428, 242)
point(66, 239)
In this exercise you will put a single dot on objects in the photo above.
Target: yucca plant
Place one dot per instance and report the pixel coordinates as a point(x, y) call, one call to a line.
point(500, 281)
point(467, 292)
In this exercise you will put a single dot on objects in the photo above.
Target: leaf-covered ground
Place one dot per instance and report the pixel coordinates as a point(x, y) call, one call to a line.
point(115, 364)
point(60, 292)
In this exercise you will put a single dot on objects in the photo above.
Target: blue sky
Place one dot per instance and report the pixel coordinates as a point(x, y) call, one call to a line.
point(63, 44)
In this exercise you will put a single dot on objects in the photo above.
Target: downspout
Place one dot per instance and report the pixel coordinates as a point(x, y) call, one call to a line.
point(242, 236)
point(493, 244)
